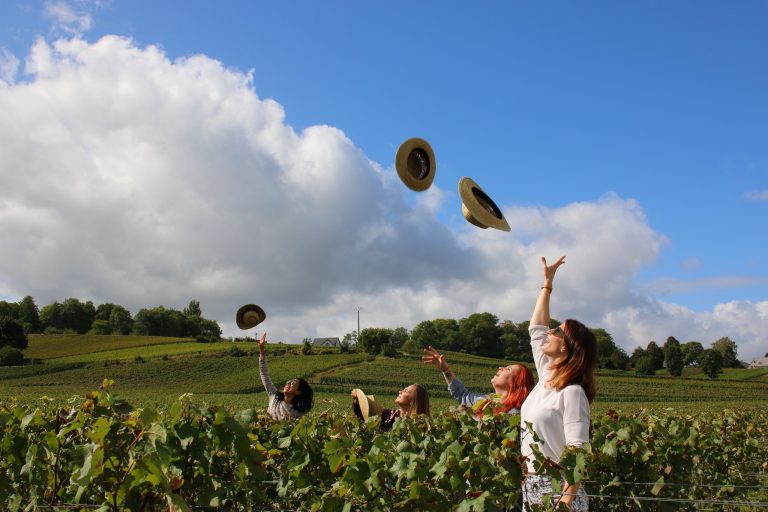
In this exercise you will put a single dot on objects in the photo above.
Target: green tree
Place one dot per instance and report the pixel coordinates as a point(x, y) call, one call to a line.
point(711, 362)
point(516, 341)
point(77, 315)
point(605, 347)
point(204, 330)
point(619, 359)
point(644, 366)
point(52, 316)
point(398, 338)
point(10, 356)
point(103, 311)
point(29, 315)
point(160, 321)
point(388, 350)
point(373, 339)
point(70, 314)
point(425, 334)
point(12, 333)
point(193, 309)
point(409, 347)
point(691, 352)
point(482, 334)
point(100, 327)
point(350, 339)
point(673, 356)
point(728, 351)
point(449, 334)
point(9, 309)
point(306, 347)
point(656, 354)
point(637, 354)
point(120, 320)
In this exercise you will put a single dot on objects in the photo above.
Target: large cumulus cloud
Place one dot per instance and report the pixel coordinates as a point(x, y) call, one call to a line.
point(132, 178)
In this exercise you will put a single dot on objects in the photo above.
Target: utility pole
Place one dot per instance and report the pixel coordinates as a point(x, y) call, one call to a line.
point(357, 340)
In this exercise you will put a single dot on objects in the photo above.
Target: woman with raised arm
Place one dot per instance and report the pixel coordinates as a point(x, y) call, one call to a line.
point(557, 409)
point(511, 384)
point(411, 401)
point(294, 401)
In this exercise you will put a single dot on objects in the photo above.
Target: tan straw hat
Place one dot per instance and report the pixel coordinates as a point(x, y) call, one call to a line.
point(478, 208)
point(415, 163)
point(368, 404)
point(249, 316)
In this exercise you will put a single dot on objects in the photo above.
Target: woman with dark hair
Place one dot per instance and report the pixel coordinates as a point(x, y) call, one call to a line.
point(294, 401)
point(557, 409)
point(511, 384)
point(411, 401)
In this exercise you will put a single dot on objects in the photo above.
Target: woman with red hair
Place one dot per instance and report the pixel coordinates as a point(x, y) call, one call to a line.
point(557, 410)
point(511, 383)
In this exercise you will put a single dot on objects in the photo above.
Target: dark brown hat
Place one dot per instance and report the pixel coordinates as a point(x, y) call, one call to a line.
point(415, 163)
point(249, 316)
point(478, 208)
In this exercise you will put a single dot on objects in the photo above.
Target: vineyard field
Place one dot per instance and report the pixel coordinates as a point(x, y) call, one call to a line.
point(155, 371)
point(100, 451)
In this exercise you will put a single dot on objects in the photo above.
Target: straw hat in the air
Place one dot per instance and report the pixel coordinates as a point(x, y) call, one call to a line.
point(249, 316)
point(415, 163)
point(478, 208)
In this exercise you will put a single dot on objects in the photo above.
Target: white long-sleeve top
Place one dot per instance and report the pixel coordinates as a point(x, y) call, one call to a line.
point(559, 418)
point(278, 409)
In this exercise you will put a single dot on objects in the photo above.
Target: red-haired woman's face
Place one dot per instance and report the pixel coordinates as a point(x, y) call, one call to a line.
point(554, 346)
point(504, 376)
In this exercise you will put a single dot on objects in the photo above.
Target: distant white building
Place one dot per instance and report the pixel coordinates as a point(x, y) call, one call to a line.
point(759, 362)
point(326, 342)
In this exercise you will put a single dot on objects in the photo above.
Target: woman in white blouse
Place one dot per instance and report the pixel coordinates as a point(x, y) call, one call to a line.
point(296, 398)
point(558, 407)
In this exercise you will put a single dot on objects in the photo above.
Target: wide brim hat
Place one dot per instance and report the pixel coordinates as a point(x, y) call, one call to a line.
point(415, 164)
point(249, 316)
point(369, 406)
point(478, 208)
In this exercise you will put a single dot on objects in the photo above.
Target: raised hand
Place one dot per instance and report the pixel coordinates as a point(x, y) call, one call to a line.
point(550, 270)
point(262, 343)
point(435, 358)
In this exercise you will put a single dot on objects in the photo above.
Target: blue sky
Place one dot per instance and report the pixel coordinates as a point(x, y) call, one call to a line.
point(547, 106)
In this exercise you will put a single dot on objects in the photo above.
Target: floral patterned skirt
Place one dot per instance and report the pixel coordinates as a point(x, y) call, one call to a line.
point(537, 490)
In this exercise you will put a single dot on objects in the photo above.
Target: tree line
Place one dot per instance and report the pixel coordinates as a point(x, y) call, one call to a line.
point(72, 316)
point(484, 335)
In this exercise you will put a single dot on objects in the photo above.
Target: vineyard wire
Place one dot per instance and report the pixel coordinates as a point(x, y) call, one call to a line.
point(681, 484)
point(677, 500)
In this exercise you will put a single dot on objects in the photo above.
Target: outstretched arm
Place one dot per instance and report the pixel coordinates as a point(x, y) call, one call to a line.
point(541, 311)
point(263, 369)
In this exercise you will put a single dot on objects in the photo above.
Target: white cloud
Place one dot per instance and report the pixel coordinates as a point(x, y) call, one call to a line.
point(670, 286)
point(742, 321)
point(73, 17)
point(757, 195)
point(138, 180)
point(9, 66)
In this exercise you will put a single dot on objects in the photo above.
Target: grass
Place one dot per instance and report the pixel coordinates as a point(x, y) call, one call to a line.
point(50, 346)
point(151, 371)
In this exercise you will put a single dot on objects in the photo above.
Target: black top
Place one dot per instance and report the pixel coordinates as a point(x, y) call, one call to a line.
point(388, 417)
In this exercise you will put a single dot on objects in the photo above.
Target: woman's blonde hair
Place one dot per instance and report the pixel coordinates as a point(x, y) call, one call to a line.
point(421, 404)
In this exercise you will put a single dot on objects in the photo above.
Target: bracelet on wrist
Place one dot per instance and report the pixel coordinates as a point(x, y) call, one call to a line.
point(545, 287)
